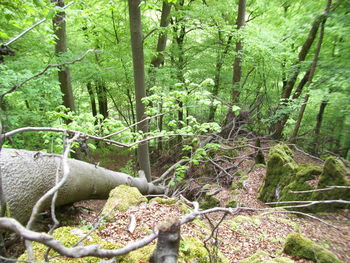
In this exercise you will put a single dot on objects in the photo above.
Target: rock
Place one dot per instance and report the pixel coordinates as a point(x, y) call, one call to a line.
point(121, 198)
point(298, 246)
point(283, 176)
point(280, 171)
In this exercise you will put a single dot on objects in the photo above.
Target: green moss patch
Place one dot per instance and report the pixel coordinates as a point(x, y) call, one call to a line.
point(121, 198)
point(298, 246)
point(263, 257)
point(69, 236)
point(164, 201)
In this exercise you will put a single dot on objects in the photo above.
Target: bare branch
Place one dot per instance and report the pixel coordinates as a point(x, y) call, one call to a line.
point(304, 214)
point(322, 189)
point(167, 172)
point(17, 86)
point(31, 27)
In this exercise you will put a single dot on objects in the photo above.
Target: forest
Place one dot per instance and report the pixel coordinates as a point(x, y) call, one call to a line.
point(126, 123)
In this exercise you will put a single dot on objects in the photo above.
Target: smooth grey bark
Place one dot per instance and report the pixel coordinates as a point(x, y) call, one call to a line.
point(27, 175)
point(168, 242)
point(139, 81)
point(59, 26)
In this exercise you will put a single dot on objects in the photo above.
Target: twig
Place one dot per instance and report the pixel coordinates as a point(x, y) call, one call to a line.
point(31, 27)
point(17, 86)
point(323, 189)
point(167, 172)
point(304, 214)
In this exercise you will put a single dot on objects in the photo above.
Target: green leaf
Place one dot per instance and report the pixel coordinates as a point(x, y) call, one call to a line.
point(235, 109)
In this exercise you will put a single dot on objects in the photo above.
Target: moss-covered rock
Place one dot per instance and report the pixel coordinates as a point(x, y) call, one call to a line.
point(304, 173)
point(283, 176)
point(121, 198)
point(281, 169)
point(298, 246)
point(334, 173)
point(263, 257)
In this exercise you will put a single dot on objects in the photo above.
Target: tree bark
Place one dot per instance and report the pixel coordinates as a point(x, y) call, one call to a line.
point(294, 136)
point(237, 65)
point(139, 79)
point(92, 98)
point(27, 175)
point(102, 99)
point(168, 242)
point(59, 26)
point(158, 59)
point(316, 142)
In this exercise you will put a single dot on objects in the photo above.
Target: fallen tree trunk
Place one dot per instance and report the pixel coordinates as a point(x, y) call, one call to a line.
point(27, 175)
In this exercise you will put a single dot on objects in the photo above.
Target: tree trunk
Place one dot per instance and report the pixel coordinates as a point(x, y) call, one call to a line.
point(92, 98)
point(102, 99)
point(277, 126)
point(217, 78)
point(237, 65)
point(316, 142)
point(139, 79)
point(59, 25)
point(294, 136)
point(168, 242)
point(27, 175)
point(158, 59)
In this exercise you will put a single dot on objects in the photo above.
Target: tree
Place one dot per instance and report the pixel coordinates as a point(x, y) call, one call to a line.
point(64, 77)
point(277, 126)
point(139, 81)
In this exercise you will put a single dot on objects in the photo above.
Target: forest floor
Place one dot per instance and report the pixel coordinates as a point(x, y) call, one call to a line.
point(251, 232)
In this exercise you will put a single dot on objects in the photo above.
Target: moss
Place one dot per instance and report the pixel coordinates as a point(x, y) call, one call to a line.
point(138, 255)
point(334, 173)
point(280, 260)
point(209, 201)
point(121, 198)
point(253, 220)
point(281, 169)
point(232, 203)
point(69, 236)
point(298, 246)
point(164, 201)
point(192, 250)
point(263, 257)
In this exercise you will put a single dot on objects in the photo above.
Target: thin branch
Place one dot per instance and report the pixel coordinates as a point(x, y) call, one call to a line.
point(322, 189)
point(31, 27)
point(53, 190)
point(304, 214)
point(17, 86)
point(167, 172)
